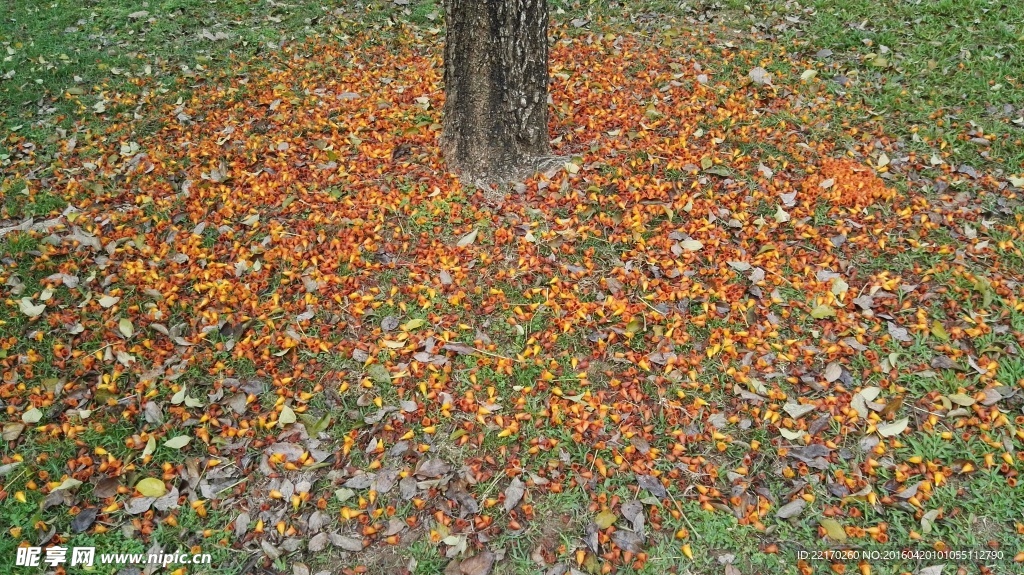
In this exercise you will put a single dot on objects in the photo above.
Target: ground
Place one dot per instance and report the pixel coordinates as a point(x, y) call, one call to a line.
point(766, 318)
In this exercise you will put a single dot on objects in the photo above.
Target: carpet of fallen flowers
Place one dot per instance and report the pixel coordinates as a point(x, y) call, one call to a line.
point(314, 333)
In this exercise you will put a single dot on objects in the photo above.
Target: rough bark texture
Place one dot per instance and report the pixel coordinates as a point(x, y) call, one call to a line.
point(496, 87)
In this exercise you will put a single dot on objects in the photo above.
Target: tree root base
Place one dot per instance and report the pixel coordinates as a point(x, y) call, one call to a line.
point(497, 184)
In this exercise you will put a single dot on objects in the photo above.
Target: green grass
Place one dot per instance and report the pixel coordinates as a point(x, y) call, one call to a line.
point(929, 72)
point(932, 71)
point(59, 58)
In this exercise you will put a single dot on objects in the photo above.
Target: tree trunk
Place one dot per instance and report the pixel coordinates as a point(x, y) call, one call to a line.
point(496, 87)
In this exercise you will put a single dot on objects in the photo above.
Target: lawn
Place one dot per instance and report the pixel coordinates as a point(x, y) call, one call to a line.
point(766, 319)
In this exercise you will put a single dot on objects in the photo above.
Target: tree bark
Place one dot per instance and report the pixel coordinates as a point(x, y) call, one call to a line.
point(496, 87)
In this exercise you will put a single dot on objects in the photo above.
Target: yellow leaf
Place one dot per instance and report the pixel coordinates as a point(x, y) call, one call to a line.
point(833, 529)
point(938, 331)
point(605, 519)
point(177, 442)
point(634, 326)
point(151, 487)
point(413, 324)
point(822, 311)
point(961, 399)
point(287, 416)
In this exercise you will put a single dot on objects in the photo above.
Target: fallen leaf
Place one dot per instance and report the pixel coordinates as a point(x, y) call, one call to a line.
point(151, 487)
point(107, 487)
point(791, 509)
point(108, 301)
point(413, 324)
point(792, 435)
point(30, 309)
point(833, 529)
point(759, 75)
point(32, 416)
point(822, 311)
point(627, 541)
point(287, 416)
point(833, 371)
point(895, 428)
point(347, 543)
point(379, 374)
point(177, 442)
point(480, 564)
point(138, 505)
point(781, 215)
point(514, 493)
point(797, 410)
point(84, 520)
point(898, 333)
point(861, 398)
point(12, 431)
point(125, 327)
point(605, 519)
point(467, 239)
point(653, 485)
point(928, 521)
point(432, 468)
